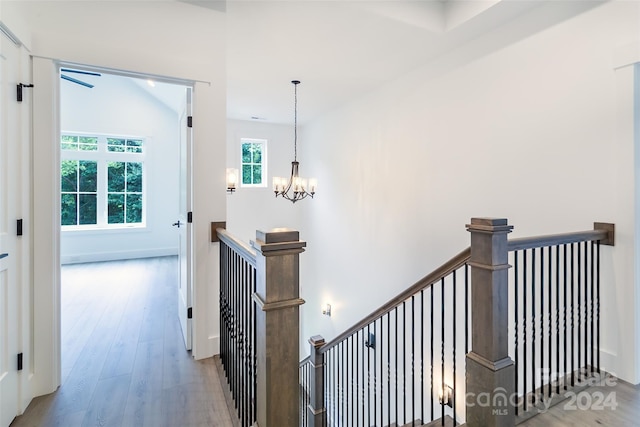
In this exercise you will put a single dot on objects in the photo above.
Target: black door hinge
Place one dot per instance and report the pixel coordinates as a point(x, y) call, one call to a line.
point(19, 227)
point(189, 313)
point(19, 88)
point(19, 361)
point(189, 217)
point(189, 121)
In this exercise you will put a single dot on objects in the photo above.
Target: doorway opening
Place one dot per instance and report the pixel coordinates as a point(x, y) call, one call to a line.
point(124, 196)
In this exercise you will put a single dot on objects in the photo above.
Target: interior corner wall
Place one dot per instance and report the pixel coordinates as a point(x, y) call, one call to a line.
point(527, 132)
point(116, 106)
point(256, 208)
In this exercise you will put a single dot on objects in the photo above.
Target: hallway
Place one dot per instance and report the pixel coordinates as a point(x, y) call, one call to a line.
point(123, 356)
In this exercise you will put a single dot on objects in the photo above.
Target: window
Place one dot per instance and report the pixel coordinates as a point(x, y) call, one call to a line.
point(102, 181)
point(253, 162)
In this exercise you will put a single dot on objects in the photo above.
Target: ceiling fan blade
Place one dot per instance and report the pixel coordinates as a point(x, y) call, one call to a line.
point(89, 73)
point(71, 79)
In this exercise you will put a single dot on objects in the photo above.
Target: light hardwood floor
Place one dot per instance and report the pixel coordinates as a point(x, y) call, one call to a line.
point(601, 405)
point(123, 357)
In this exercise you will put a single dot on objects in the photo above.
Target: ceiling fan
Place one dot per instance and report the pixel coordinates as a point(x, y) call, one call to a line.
point(76, 81)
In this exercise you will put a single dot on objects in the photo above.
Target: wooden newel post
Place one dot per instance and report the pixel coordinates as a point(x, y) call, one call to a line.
point(277, 327)
point(490, 370)
point(316, 410)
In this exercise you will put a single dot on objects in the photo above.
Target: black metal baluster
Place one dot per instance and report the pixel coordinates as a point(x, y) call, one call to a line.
point(573, 318)
point(389, 368)
point(404, 362)
point(442, 332)
point(375, 395)
point(541, 370)
point(597, 349)
point(365, 403)
point(432, 343)
point(583, 364)
point(515, 316)
point(357, 382)
point(549, 312)
point(533, 325)
point(524, 330)
point(591, 324)
point(466, 309)
point(243, 303)
point(353, 381)
point(564, 322)
point(380, 346)
point(342, 385)
point(422, 355)
point(580, 323)
point(397, 419)
point(413, 348)
point(557, 373)
point(454, 348)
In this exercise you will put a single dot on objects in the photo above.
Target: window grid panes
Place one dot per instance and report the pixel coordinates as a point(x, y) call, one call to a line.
point(124, 185)
point(101, 181)
point(79, 192)
point(253, 162)
point(120, 145)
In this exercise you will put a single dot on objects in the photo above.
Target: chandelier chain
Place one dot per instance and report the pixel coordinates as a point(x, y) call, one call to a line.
point(295, 122)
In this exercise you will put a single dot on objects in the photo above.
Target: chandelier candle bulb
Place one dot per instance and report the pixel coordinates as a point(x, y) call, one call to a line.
point(313, 183)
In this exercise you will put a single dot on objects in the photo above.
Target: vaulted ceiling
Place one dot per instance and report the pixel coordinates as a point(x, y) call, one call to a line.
point(341, 49)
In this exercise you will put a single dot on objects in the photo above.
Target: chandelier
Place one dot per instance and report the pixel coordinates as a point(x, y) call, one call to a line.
point(295, 188)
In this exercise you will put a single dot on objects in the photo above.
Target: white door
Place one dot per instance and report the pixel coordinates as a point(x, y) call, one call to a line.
point(184, 224)
point(9, 300)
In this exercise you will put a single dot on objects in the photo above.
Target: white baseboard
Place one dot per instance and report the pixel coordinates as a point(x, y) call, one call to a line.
point(117, 255)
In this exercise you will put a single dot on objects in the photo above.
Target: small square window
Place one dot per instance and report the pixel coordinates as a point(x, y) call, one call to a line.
point(253, 161)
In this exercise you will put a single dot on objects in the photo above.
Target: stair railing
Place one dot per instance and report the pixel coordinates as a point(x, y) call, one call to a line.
point(402, 364)
point(259, 299)
point(536, 333)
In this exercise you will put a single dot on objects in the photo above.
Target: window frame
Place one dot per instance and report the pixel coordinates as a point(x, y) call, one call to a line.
point(103, 157)
point(263, 163)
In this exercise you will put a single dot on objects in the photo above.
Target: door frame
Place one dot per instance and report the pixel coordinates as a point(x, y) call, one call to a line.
point(46, 214)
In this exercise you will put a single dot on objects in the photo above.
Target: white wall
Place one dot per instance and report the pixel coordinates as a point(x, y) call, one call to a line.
point(117, 106)
point(246, 207)
point(531, 131)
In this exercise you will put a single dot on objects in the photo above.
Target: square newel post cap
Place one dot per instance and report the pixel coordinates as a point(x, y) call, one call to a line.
point(489, 225)
point(316, 341)
point(278, 239)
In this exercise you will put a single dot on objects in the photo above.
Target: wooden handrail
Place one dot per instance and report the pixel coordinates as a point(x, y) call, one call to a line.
point(440, 272)
point(245, 251)
point(556, 239)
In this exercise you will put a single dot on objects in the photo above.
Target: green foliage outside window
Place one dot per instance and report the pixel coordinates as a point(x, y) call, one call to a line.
point(79, 192)
point(118, 145)
point(79, 186)
point(79, 143)
point(252, 154)
point(124, 186)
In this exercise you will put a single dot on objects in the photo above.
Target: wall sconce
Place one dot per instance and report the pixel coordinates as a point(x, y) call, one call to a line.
point(326, 309)
point(445, 396)
point(232, 180)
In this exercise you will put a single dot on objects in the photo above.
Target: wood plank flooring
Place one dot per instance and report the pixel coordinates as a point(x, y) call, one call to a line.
point(123, 357)
point(591, 408)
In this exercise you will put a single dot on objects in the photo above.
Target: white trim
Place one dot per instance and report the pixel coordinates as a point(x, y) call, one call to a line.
point(123, 73)
point(46, 228)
